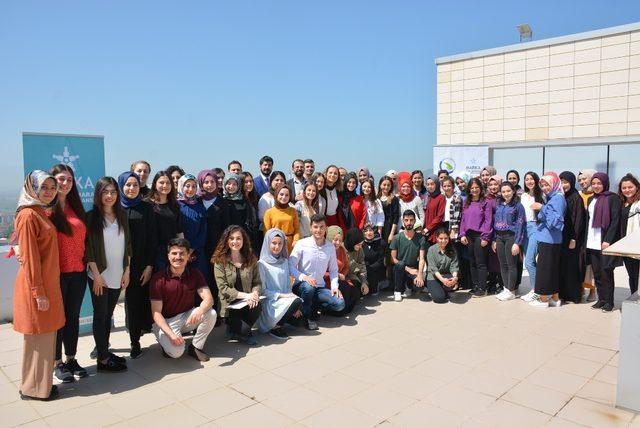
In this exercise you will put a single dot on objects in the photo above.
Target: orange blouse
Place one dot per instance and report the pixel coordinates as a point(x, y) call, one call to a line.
point(38, 275)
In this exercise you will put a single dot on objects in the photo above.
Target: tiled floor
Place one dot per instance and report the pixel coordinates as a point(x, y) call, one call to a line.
point(472, 363)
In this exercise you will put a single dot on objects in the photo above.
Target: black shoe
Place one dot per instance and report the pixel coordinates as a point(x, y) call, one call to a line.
point(279, 333)
point(478, 292)
point(248, 340)
point(598, 305)
point(117, 358)
point(136, 351)
point(53, 394)
point(76, 369)
point(310, 325)
point(197, 353)
point(111, 366)
point(63, 374)
point(607, 307)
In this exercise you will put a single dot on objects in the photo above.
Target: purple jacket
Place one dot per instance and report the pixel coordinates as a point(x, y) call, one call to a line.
point(478, 217)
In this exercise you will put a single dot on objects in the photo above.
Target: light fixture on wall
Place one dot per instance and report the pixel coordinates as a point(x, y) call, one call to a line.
point(526, 34)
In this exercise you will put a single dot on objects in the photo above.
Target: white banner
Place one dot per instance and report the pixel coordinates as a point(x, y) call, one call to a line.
point(457, 159)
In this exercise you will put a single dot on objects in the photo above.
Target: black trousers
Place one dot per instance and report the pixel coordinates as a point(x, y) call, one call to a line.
point(73, 286)
point(603, 277)
point(508, 262)
point(464, 266)
point(478, 263)
point(287, 317)
point(351, 294)
point(137, 309)
point(401, 278)
point(103, 307)
point(374, 276)
point(632, 266)
point(571, 276)
point(246, 315)
point(438, 291)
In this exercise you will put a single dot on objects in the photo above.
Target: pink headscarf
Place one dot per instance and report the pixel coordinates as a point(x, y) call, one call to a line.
point(552, 179)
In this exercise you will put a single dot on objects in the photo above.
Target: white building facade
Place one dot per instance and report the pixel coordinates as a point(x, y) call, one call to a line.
point(565, 103)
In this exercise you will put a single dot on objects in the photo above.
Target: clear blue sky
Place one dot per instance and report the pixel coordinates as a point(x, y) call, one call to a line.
point(201, 82)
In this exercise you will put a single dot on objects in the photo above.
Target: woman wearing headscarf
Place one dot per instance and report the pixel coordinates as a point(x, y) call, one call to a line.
point(142, 231)
point(584, 179)
point(353, 203)
point(603, 218)
point(237, 210)
point(549, 237)
point(572, 267)
point(462, 181)
point(353, 243)
point(38, 310)
point(486, 173)
point(209, 195)
point(434, 211)
point(350, 291)
point(409, 200)
point(193, 218)
point(280, 305)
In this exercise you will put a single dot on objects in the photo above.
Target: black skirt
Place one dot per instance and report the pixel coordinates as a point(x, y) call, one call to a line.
point(548, 270)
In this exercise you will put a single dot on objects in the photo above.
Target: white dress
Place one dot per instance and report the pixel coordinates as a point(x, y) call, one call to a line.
point(275, 281)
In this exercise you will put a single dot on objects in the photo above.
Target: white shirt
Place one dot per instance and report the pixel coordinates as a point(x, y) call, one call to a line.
point(307, 258)
point(375, 213)
point(447, 207)
point(266, 201)
point(208, 203)
point(298, 186)
point(526, 200)
point(114, 252)
point(594, 234)
point(332, 202)
point(416, 206)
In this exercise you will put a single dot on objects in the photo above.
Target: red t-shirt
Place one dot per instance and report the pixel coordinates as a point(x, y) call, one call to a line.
point(71, 248)
point(177, 294)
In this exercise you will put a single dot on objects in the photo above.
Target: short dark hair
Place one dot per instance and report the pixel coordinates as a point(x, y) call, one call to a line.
point(264, 159)
point(234, 162)
point(409, 213)
point(309, 161)
point(296, 160)
point(179, 242)
point(317, 218)
point(443, 171)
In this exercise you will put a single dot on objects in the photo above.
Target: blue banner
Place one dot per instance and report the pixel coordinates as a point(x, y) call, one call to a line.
point(85, 155)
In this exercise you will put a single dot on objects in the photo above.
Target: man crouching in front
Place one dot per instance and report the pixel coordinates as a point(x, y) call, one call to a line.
point(172, 293)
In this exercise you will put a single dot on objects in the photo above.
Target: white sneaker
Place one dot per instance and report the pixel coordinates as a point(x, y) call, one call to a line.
point(407, 293)
point(506, 295)
point(529, 296)
point(538, 303)
point(397, 296)
point(500, 294)
point(555, 303)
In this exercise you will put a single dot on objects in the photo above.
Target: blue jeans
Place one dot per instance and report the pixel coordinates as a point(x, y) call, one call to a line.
point(316, 297)
point(530, 246)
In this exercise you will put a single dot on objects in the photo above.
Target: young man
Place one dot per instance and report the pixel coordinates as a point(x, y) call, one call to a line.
point(235, 167)
point(310, 259)
point(172, 293)
point(407, 255)
point(309, 169)
point(297, 182)
point(261, 181)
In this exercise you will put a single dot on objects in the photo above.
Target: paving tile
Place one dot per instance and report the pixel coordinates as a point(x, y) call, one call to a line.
point(256, 414)
point(298, 403)
point(614, 360)
point(8, 393)
point(422, 414)
point(72, 395)
point(586, 352)
point(189, 385)
point(486, 382)
point(17, 413)
point(602, 392)
point(347, 417)
point(263, 386)
point(176, 415)
point(557, 380)
point(590, 413)
point(608, 374)
point(412, 384)
point(93, 415)
point(370, 371)
point(379, 403)
point(271, 359)
point(537, 398)
point(576, 366)
point(441, 369)
point(230, 372)
point(599, 340)
point(459, 400)
point(556, 422)
point(504, 414)
point(338, 386)
point(218, 403)
point(142, 400)
point(307, 369)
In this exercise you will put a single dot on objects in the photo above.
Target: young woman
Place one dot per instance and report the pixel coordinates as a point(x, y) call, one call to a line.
point(108, 255)
point(208, 194)
point(442, 268)
point(67, 215)
point(461, 183)
point(452, 217)
point(219, 172)
point(374, 252)
point(513, 177)
point(237, 211)
point(281, 305)
point(354, 206)
point(332, 193)
point(572, 270)
point(417, 183)
point(307, 207)
point(509, 227)
point(375, 212)
point(408, 200)
point(532, 194)
point(142, 230)
point(236, 271)
point(476, 229)
point(175, 172)
point(166, 212)
point(248, 189)
point(319, 180)
point(629, 192)
point(142, 169)
point(486, 174)
point(584, 179)
point(193, 218)
point(434, 210)
point(494, 280)
point(390, 209)
point(349, 286)
point(353, 243)
point(603, 217)
point(549, 238)
point(284, 217)
point(38, 309)
point(277, 179)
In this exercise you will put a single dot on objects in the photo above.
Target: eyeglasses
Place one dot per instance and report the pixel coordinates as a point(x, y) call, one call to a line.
point(109, 192)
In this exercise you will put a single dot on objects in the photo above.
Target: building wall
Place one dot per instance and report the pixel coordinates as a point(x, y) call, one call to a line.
point(581, 89)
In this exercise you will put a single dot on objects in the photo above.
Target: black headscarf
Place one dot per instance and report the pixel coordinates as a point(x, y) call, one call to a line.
point(354, 237)
point(571, 178)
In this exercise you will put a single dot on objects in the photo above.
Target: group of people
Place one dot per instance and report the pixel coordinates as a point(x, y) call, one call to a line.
point(194, 251)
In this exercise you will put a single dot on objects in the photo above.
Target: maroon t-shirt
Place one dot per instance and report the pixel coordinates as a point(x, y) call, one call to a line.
point(177, 294)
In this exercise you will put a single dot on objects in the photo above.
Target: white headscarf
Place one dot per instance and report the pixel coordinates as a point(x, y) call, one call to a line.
point(31, 188)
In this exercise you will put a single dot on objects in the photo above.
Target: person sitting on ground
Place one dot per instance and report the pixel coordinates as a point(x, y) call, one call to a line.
point(172, 292)
point(442, 268)
point(310, 259)
point(374, 251)
point(353, 243)
point(407, 256)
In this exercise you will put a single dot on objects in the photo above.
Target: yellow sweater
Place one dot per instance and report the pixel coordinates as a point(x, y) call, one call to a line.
point(285, 219)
